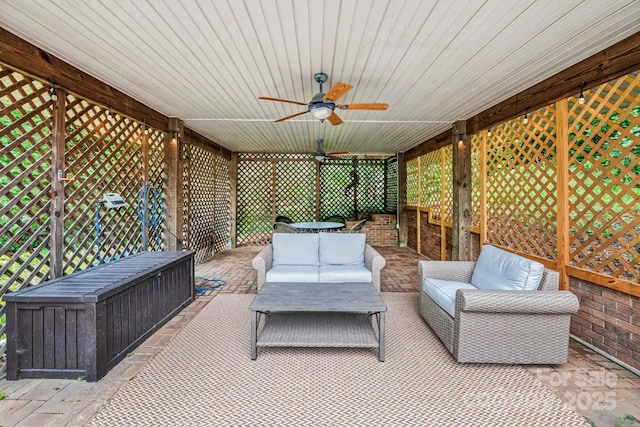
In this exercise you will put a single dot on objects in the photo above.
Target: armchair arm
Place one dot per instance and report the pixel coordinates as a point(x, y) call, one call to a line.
point(532, 302)
point(262, 262)
point(374, 262)
point(460, 271)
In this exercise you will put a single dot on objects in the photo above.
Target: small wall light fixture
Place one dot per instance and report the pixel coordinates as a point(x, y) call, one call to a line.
point(53, 91)
point(525, 120)
point(581, 99)
point(146, 127)
point(109, 114)
point(489, 130)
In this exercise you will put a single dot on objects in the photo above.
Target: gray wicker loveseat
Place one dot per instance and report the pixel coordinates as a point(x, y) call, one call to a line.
point(501, 309)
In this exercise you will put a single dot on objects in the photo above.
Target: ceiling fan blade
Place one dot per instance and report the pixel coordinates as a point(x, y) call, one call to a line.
point(266, 98)
point(334, 119)
point(335, 153)
point(363, 106)
point(282, 119)
point(337, 91)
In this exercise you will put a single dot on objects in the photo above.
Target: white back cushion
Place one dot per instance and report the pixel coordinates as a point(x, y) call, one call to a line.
point(342, 248)
point(295, 249)
point(501, 270)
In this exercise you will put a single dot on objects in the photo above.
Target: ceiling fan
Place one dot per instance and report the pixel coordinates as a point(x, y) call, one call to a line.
point(320, 155)
point(322, 104)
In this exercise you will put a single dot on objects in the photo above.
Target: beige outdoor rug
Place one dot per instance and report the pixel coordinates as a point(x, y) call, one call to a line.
point(204, 377)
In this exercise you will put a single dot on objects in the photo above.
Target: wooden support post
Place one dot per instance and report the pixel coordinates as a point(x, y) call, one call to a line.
point(443, 191)
point(483, 188)
point(402, 201)
point(462, 219)
point(418, 212)
point(318, 188)
point(562, 171)
point(174, 182)
point(233, 202)
point(56, 223)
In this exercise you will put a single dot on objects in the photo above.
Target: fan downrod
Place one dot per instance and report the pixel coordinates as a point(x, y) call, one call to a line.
point(320, 78)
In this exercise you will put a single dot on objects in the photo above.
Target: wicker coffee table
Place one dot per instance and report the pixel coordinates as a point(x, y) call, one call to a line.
point(318, 315)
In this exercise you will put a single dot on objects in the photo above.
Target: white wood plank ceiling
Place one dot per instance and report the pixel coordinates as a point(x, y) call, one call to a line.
point(433, 62)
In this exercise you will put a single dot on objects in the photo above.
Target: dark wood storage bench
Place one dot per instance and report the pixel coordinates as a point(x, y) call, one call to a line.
point(83, 324)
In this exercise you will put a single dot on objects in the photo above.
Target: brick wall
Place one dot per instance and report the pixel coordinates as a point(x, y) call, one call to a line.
point(412, 231)
point(430, 237)
point(381, 231)
point(608, 319)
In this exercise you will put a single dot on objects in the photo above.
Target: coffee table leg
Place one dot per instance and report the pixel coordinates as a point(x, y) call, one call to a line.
point(381, 336)
point(254, 335)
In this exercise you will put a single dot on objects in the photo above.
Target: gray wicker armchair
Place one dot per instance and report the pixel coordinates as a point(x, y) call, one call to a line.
point(500, 326)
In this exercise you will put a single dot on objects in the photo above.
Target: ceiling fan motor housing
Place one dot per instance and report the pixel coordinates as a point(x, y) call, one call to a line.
point(322, 109)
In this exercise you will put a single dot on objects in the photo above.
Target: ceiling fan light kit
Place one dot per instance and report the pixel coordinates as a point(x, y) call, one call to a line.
point(320, 155)
point(322, 106)
point(321, 111)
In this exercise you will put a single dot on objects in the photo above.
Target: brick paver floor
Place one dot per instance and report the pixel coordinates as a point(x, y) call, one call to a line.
point(606, 394)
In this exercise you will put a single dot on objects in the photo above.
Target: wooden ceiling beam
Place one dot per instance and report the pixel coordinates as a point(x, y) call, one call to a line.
point(23, 56)
point(207, 143)
point(615, 61)
point(430, 145)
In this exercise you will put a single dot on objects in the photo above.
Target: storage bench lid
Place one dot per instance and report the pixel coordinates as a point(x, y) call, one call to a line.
point(98, 283)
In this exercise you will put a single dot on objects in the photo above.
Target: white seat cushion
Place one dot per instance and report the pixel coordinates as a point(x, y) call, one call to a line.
point(292, 273)
point(342, 248)
point(295, 249)
point(344, 273)
point(443, 293)
point(501, 271)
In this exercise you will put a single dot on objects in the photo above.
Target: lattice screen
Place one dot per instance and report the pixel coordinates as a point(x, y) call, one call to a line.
point(521, 184)
point(295, 194)
point(206, 201)
point(285, 184)
point(371, 183)
point(431, 182)
point(25, 128)
point(412, 182)
point(337, 187)
point(604, 166)
point(476, 180)
point(156, 180)
point(199, 200)
point(447, 176)
point(255, 201)
point(104, 156)
point(391, 178)
point(336, 197)
point(222, 212)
